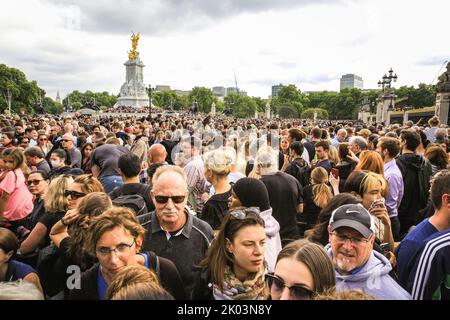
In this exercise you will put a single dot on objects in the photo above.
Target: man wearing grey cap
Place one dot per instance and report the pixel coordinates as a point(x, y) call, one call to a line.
point(357, 265)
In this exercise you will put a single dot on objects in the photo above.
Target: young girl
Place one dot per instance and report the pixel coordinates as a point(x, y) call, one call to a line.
point(16, 202)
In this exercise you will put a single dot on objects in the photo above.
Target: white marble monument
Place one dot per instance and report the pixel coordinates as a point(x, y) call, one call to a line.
point(268, 111)
point(133, 92)
point(213, 109)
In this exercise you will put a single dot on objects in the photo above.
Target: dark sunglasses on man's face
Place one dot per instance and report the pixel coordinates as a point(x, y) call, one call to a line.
point(42, 139)
point(165, 199)
point(34, 182)
point(74, 194)
point(297, 292)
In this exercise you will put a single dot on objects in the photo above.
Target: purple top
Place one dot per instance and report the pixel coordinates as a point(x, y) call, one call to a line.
point(395, 187)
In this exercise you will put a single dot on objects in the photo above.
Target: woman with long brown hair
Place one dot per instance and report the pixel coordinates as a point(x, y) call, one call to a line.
point(370, 161)
point(233, 268)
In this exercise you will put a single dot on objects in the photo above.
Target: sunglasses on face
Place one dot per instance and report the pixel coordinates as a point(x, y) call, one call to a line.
point(165, 199)
point(297, 292)
point(34, 182)
point(74, 194)
point(42, 139)
point(65, 140)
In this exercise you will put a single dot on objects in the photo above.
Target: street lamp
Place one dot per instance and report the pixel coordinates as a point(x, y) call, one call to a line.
point(387, 84)
point(149, 91)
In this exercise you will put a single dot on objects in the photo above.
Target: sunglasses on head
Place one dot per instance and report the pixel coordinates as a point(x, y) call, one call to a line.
point(74, 194)
point(242, 212)
point(34, 182)
point(297, 292)
point(165, 199)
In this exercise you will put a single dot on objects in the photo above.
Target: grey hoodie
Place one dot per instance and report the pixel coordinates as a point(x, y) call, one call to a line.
point(373, 278)
point(273, 240)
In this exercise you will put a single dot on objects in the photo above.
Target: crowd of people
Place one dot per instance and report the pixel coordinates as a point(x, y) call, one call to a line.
point(195, 207)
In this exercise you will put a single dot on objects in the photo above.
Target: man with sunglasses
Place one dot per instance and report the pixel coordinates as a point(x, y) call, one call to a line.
point(67, 143)
point(35, 159)
point(37, 185)
point(357, 265)
point(173, 232)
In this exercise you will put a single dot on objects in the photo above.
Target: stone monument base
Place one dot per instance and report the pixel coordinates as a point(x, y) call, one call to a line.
point(132, 102)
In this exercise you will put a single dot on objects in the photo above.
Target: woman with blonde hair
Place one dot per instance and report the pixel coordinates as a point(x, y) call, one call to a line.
point(81, 186)
point(115, 238)
point(371, 188)
point(370, 161)
point(217, 168)
point(55, 205)
point(316, 196)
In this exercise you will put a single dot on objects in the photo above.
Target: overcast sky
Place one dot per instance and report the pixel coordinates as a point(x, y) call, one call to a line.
point(70, 45)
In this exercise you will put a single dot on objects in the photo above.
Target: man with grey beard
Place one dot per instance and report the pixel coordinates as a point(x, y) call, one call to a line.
point(357, 265)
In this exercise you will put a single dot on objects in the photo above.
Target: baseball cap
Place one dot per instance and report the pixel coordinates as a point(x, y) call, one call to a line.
point(353, 216)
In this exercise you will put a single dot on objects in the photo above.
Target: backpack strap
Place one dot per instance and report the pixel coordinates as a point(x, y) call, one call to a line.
point(154, 264)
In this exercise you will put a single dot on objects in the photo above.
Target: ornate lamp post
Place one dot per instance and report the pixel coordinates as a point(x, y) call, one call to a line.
point(387, 84)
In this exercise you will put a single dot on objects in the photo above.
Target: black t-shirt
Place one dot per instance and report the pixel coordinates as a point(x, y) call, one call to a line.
point(310, 210)
point(106, 157)
point(49, 220)
point(134, 188)
point(215, 208)
point(285, 193)
point(311, 148)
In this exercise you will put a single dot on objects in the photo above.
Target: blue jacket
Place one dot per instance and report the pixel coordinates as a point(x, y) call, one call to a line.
point(373, 278)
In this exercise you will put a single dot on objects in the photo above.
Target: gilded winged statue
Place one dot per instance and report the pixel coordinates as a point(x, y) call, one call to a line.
point(133, 54)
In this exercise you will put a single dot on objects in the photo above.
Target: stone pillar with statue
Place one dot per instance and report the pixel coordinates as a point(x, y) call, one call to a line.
point(133, 92)
point(443, 97)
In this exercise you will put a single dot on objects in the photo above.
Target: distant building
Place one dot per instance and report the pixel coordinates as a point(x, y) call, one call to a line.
point(276, 89)
point(232, 90)
point(351, 81)
point(219, 91)
point(58, 98)
point(182, 92)
point(160, 87)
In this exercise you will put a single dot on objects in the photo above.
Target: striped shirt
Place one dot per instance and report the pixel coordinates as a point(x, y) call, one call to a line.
point(430, 278)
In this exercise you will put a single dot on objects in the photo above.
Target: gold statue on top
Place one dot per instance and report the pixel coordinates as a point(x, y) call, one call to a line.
point(133, 54)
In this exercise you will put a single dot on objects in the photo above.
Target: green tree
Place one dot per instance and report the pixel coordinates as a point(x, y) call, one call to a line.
point(290, 96)
point(204, 98)
point(309, 113)
point(242, 106)
point(51, 106)
point(165, 99)
point(422, 96)
point(24, 93)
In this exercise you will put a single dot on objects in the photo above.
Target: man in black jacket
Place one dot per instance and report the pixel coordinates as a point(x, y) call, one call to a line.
point(173, 232)
point(416, 172)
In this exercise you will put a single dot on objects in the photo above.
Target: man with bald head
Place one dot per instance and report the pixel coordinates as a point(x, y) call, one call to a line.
point(173, 232)
point(157, 154)
point(67, 143)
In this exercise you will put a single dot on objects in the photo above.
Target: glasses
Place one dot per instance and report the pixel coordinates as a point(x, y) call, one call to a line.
point(25, 141)
point(241, 213)
point(353, 240)
point(42, 139)
point(297, 292)
point(65, 140)
point(121, 248)
point(34, 182)
point(74, 194)
point(164, 199)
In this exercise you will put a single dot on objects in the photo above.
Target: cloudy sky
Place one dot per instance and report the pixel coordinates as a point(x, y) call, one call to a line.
point(77, 45)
